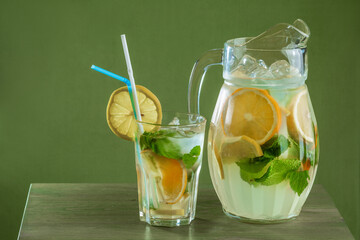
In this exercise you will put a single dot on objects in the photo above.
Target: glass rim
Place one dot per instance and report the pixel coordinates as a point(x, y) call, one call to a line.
point(230, 43)
point(173, 113)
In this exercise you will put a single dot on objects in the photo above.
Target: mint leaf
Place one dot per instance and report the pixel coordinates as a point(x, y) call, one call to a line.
point(159, 143)
point(195, 150)
point(294, 149)
point(302, 151)
point(278, 171)
point(165, 147)
point(189, 159)
point(298, 181)
point(251, 170)
point(277, 147)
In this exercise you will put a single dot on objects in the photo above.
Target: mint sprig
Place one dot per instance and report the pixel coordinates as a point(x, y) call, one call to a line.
point(279, 145)
point(278, 171)
point(270, 170)
point(159, 143)
point(254, 168)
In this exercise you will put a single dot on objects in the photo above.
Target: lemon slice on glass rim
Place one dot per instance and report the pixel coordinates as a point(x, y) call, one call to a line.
point(120, 115)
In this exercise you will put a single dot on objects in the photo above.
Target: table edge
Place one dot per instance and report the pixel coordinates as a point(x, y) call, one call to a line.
point(23, 216)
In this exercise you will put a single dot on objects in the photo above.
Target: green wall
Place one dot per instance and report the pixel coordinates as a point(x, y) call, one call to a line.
point(52, 106)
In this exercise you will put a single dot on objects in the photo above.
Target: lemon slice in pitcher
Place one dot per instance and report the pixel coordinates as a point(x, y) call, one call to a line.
point(120, 115)
point(251, 112)
point(237, 148)
point(299, 122)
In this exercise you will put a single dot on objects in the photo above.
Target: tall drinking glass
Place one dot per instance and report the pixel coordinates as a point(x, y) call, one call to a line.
point(168, 163)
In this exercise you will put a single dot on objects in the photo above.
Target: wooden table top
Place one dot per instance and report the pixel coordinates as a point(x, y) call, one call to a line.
point(110, 211)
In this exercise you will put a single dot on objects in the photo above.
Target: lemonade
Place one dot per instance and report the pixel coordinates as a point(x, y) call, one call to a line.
point(263, 151)
point(168, 163)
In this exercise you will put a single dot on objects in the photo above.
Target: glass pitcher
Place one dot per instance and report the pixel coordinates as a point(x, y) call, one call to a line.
point(263, 144)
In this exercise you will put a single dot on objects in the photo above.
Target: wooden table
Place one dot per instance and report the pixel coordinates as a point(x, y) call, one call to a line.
point(110, 211)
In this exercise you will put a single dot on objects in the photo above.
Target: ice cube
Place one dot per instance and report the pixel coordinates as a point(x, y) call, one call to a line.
point(260, 70)
point(247, 64)
point(175, 121)
point(249, 67)
point(280, 69)
point(245, 67)
point(294, 72)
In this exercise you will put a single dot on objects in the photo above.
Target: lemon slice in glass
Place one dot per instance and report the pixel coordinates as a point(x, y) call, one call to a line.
point(120, 115)
point(172, 174)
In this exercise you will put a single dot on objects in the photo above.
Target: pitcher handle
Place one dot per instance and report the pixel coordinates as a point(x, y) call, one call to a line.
point(209, 58)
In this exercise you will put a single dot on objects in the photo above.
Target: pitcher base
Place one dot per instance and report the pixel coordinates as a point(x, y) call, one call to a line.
point(260, 221)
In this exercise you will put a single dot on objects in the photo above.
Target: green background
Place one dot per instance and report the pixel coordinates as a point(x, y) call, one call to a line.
point(52, 106)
